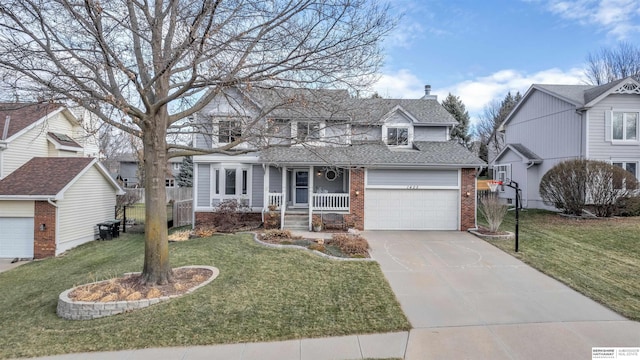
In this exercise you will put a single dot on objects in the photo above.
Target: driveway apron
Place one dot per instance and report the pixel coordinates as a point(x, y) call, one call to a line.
point(467, 299)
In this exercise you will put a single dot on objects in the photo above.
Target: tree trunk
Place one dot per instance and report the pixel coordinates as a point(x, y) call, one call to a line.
point(156, 250)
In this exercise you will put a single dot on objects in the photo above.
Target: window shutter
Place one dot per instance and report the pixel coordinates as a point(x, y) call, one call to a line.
point(607, 125)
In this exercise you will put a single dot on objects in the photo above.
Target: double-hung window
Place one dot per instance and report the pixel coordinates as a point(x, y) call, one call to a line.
point(398, 136)
point(308, 130)
point(229, 131)
point(630, 166)
point(624, 126)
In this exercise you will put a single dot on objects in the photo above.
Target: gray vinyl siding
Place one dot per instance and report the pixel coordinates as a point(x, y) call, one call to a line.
point(203, 195)
point(339, 185)
point(371, 132)
point(430, 133)
point(601, 148)
point(406, 177)
point(275, 180)
point(336, 133)
point(548, 126)
point(257, 188)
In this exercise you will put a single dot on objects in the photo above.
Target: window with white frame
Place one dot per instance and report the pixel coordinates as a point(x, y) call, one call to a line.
point(502, 173)
point(630, 166)
point(398, 136)
point(170, 183)
point(231, 182)
point(624, 126)
point(308, 130)
point(229, 131)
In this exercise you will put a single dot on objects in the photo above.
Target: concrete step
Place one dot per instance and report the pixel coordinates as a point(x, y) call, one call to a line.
point(296, 221)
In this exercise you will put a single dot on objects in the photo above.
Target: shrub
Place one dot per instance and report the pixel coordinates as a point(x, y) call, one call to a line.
point(277, 234)
point(351, 245)
point(493, 210)
point(571, 184)
point(628, 206)
point(228, 214)
point(564, 186)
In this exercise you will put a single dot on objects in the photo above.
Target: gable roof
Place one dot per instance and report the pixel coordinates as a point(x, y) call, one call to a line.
point(422, 111)
point(23, 115)
point(581, 96)
point(527, 155)
point(372, 154)
point(64, 142)
point(48, 177)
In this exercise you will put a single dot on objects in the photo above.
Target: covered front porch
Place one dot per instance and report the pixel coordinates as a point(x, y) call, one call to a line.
point(307, 190)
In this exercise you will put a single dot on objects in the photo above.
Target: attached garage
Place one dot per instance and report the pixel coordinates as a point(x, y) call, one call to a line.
point(412, 199)
point(16, 237)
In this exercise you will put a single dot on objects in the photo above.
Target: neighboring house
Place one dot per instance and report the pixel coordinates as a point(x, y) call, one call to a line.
point(48, 175)
point(40, 130)
point(126, 169)
point(553, 123)
point(52, 204)
point(380, 163)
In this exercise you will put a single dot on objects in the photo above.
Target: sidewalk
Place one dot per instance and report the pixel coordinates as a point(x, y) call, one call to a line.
point(374, 346)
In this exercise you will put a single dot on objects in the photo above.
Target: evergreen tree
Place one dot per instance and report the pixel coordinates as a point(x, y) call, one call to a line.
point(456, 107)
point(185, 176)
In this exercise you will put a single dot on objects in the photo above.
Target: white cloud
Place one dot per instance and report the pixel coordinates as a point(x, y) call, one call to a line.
point(478, 92)
point(619, 18)
point(399, 85)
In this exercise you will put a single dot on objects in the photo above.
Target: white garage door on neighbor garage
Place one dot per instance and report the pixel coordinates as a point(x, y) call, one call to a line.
point(16, 237)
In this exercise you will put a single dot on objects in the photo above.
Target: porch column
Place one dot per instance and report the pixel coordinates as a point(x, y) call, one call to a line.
point(265, 188)
point(283, 205)
point(312, 175)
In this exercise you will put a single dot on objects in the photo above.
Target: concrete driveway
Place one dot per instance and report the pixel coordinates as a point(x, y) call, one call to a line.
point(6, 264)
point(467, 299)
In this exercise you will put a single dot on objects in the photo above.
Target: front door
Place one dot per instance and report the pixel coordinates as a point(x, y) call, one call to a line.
point(301, 190)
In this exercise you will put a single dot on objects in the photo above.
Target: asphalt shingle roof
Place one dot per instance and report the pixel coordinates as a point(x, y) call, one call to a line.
point(424, 153)
point(64, 140)
point(22, 115)
point(524, 151)
point(43, 176)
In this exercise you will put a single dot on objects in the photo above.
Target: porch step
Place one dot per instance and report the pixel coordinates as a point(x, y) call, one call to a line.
point(296, 221)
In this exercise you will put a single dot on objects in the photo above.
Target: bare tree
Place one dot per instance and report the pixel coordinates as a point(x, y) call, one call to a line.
point(610, 64)
point(146, 67)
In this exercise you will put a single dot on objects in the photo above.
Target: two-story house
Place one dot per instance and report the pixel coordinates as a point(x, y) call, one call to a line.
point(53, 191)
point(553, 123)
point(379, 163)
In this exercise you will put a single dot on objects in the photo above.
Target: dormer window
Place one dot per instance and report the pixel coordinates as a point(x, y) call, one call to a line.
point(308, 130)
point(398, 136)
point(229, 131)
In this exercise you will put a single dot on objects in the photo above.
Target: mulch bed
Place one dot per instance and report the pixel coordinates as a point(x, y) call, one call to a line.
point(129, 287)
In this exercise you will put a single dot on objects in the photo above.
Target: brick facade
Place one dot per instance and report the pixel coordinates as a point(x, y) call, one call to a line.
point(356, 194)
point(468, 202)
point(44, 241)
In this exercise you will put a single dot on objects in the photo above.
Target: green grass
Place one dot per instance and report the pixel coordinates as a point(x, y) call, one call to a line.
point(599, 258)
point(261, 294)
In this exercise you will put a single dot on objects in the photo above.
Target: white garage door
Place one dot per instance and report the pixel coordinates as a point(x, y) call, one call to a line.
point(16, 237)
point(401, 209)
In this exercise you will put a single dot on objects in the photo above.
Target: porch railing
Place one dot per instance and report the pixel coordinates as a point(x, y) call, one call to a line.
point(274, 199)
point(330, 201)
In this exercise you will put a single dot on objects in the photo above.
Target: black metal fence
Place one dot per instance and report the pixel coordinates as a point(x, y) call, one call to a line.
point(134, 215)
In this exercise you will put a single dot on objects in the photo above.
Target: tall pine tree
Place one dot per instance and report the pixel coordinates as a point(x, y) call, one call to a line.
point(456, 107)
point(185, 176)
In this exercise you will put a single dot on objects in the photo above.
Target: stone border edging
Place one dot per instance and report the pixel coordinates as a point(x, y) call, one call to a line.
point(86, 310)
point(330, 257)
point(508, 236)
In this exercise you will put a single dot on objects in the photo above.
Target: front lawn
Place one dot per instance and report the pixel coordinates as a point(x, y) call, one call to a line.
point(599, 258)
point(262, 294)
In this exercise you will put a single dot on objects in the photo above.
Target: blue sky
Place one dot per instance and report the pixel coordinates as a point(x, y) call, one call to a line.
point(480, 50)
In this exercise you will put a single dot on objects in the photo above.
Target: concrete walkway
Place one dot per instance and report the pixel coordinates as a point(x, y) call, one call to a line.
point(467, 299)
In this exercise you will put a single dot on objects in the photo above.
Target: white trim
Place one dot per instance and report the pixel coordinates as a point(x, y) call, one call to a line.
point(415, 187)
point(36, 123)
point(635, 141)
point(294, 188)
